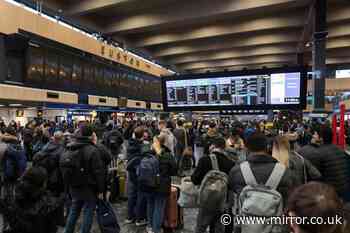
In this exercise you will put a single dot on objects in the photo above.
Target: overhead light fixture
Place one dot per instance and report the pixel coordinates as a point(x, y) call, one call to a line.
point(15, 105)
point(1, 105)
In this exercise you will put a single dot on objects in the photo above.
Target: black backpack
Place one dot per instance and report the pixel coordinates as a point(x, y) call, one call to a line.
point(74, 168)
point(114, 141)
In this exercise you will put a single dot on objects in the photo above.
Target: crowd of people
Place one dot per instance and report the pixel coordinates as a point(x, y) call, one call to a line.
point(51, 172)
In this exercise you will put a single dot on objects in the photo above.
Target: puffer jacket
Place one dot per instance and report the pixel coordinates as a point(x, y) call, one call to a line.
point(262, 166)
point(331, 162)
point(94, 164)
point(13, 159)
point(297, 165)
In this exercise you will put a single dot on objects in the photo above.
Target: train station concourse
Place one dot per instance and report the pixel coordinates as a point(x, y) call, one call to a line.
point(157, 116)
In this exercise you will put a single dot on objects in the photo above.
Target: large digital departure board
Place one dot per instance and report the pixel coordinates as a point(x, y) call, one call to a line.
point(254, 91)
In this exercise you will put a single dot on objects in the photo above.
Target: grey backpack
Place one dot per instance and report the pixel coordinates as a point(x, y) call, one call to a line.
point(260, 200)
point(214, 188)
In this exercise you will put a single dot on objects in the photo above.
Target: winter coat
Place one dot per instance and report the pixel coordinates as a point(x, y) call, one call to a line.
point(331, 162)
point(167, 169)
point(32, 211)
point(204, 166)
point(49, 158)
point(134, 156)
point(94, 165)
point(299, 165)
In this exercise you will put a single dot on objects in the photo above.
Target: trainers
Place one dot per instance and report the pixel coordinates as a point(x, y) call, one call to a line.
point(149, 230)
point(141, 223)
point(129, 221)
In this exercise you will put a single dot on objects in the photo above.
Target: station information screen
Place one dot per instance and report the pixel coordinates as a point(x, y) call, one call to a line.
point(250, 91)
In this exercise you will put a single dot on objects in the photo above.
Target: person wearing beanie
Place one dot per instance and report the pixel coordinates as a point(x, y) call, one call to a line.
point(33, 210)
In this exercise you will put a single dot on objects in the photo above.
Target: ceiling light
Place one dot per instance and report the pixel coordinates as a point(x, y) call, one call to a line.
point(15, 105)
point(1, 105)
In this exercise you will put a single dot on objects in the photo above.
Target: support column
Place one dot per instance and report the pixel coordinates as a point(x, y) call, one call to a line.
point(319, 55)
point(3, 62)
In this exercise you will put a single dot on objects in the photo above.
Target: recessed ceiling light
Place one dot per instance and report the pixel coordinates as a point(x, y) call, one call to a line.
point(15, 105)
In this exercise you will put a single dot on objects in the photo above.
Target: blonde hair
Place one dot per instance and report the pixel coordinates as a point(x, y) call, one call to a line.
point(281, 150)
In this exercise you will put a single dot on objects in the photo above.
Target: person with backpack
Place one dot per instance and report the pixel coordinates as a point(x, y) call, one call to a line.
point(13, 161)
point(83, 175)
point(155, 173)
point(33, 210)
point(208, 138)
point(113, 139)
point(49, 158)
point(261, 184)
point(134, 156)
point(212, 170)
point(302, 169)
point(181, 139)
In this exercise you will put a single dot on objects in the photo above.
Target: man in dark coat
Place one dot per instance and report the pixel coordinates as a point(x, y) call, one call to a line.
point(85, 193)
point(330, 160)
point(207, 218)
point(262, 165)
point(134, 156)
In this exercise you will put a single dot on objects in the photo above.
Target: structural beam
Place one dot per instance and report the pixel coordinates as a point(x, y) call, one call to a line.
point(3, 62)
point(291, 36)
point(235, 53)
point(89, 6)
point(319, 55)
point(186, 14)
point(240, 67)
point(283, 21)
point(240, 61)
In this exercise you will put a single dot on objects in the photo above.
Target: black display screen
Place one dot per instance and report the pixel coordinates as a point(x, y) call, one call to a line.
point(250, 90)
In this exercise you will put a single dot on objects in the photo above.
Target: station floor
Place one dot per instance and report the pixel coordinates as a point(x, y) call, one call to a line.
point(190, 216)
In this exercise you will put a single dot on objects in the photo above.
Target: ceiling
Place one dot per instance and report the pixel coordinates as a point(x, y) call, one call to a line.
point(201, 35)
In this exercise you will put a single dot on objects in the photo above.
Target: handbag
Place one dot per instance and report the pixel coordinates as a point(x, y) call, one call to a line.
point(188, 194)
point(106, 218)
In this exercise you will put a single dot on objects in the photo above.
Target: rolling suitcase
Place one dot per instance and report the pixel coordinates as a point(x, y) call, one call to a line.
point(122, 188)
point(173, 212)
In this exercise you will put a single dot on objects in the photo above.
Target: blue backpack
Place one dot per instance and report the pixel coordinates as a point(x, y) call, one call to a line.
point(15, 162)
point(148, 172)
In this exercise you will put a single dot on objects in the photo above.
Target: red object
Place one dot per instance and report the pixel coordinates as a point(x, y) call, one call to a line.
point(342, 127)
point(334, 128)
point(173, 213)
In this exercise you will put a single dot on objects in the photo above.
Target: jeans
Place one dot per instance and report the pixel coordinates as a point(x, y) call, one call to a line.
point(207, 218)
point(74, 213)
point(136, 203)
point(141, 205)
point(155, 210)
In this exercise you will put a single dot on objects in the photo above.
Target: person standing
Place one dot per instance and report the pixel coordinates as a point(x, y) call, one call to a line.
point(82, 170)
point(330, 160)
point(209, 218)
point(181, 140)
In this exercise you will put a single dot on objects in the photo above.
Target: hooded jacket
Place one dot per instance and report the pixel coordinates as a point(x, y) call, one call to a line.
point(94, 165)
point(49, 158)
